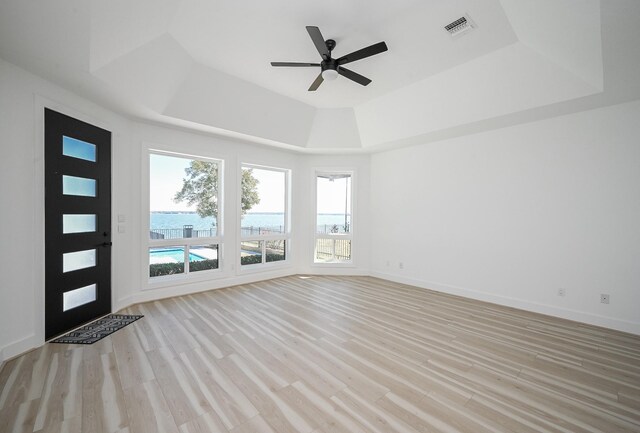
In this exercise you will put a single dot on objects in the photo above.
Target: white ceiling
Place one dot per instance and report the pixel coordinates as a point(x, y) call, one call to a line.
point(204, 64)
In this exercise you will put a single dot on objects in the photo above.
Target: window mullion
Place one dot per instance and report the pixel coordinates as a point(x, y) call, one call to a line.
point(186, 259)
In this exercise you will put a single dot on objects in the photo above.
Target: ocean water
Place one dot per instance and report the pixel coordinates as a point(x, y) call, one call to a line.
point(171, 220)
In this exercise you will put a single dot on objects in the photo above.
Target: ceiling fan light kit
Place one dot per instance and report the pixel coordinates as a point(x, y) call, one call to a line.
point(329, 74)
point(330, 68)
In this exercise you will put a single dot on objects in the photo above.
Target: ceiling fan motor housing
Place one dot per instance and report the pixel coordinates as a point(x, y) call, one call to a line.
point(329, 64)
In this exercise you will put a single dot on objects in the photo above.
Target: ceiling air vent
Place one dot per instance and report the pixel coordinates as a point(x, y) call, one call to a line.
point(460, 26)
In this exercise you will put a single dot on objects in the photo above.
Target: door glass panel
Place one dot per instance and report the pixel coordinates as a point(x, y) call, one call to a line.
point(78, 260)
point(77, 297)
point(78, 223)
point(72, 185)
point(78, 149)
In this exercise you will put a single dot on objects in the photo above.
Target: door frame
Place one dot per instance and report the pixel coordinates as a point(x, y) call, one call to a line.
point(37, 337)
point(57, 281)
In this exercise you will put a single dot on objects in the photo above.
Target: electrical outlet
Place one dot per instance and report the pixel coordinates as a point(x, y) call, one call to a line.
point(561, 292)
point(604, 298)
point(401, 265)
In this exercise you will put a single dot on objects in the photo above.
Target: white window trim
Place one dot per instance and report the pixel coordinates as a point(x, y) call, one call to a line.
point(351, 235)
point(286, 236)
point(147, 243)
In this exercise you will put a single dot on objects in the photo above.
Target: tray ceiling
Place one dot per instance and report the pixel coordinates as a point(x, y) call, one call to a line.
point(204, 64)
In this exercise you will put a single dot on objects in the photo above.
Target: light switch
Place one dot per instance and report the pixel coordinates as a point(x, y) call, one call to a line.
point(121, 229)
point(121, 218)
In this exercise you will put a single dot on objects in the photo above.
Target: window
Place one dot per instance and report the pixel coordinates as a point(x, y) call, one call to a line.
point(334, 225)
point(184, 223)
point(264, 226)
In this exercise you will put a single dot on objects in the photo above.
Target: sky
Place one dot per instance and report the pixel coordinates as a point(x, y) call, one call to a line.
point(165, 179)
point(332, 194)
point(167, 172)
point(270, 190)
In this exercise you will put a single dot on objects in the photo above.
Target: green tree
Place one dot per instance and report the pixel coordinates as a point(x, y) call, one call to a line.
point(200, 188)
point(250, 195)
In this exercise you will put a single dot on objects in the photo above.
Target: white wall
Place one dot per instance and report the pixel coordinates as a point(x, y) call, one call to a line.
point(23, 97)
point(22, 100)
point(509, 216)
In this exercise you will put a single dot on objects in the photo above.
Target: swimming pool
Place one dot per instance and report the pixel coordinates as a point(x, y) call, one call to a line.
point(171, 255)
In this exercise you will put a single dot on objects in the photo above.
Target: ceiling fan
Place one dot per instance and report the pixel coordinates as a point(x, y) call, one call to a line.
point(330, 68)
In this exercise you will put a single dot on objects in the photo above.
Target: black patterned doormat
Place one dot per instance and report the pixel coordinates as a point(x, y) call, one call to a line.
point(97, 330)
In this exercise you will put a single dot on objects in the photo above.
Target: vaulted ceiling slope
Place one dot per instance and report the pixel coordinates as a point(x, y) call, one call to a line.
point(205, 64)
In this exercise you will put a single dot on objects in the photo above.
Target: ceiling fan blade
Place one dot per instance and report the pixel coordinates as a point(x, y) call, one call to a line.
point(316, 83)
point(318, 41)
point(294, 64)
point(369, 51)
point(353, 76)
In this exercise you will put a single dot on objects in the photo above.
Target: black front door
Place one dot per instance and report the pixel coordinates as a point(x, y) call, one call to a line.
point(77, 223)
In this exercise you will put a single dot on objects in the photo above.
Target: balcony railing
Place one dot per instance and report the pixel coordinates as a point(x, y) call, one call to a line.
point(188, 231)
point(261, 231)
point(329, 250)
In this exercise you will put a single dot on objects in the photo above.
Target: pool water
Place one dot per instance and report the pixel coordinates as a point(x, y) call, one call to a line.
point(173, 255)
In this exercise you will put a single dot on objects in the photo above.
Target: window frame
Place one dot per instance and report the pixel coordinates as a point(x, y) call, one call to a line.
point(285, 236)
point(334, 236)
point(184, 243)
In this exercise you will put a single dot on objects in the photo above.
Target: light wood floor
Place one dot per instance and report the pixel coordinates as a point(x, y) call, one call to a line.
point(329, 354)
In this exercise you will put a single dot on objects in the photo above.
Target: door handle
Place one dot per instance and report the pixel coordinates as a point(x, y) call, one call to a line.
point(107, 244)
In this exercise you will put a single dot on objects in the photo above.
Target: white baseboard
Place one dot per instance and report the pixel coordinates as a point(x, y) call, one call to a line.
point(19, 347)
point(122, 303)
point(202, 286)
point(549, 310)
